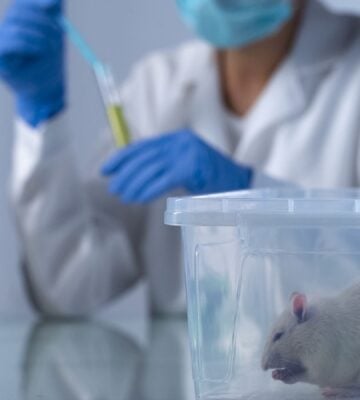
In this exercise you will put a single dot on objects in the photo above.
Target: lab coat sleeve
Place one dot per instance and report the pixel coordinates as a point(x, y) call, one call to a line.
point(76, 257)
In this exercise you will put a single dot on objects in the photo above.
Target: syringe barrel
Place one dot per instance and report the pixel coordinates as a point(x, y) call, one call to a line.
point(111, 98)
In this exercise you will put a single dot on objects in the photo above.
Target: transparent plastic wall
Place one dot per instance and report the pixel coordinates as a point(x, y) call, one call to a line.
point(240, 278)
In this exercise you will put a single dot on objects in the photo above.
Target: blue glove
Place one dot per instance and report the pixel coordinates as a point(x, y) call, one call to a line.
point(146, 170)
point(32, 58)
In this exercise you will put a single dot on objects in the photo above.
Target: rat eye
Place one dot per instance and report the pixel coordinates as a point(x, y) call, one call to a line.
point(278, 336)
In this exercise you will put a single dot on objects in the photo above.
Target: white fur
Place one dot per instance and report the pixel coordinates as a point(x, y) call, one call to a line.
point(327, 343)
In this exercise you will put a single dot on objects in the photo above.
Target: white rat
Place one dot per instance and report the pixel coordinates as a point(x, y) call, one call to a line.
point(318, 342)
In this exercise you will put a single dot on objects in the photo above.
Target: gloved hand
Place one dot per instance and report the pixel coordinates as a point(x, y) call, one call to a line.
point(32, 58)
point(146, 170)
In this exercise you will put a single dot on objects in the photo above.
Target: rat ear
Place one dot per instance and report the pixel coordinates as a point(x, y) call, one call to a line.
point(299, 306)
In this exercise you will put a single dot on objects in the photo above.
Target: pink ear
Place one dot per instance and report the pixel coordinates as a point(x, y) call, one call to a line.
point(298, 306)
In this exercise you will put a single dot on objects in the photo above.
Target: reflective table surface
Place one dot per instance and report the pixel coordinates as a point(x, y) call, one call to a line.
point(86, 360)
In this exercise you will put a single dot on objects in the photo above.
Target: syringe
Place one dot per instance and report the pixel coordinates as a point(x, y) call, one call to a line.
point(106, 83)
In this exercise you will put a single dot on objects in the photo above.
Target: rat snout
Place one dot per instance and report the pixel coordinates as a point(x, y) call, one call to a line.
point(265, 362)
point(265, 365)
point(271, 361)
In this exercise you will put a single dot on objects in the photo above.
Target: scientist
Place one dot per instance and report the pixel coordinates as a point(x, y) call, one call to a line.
point(272, 87)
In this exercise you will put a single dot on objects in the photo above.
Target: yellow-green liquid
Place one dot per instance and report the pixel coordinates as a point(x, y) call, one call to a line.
point(118, 125)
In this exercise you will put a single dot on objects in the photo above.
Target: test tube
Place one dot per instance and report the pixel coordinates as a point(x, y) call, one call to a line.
point(111, 99)
point(106, 83)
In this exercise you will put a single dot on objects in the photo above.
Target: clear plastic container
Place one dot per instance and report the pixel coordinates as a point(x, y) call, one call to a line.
point(245, 255)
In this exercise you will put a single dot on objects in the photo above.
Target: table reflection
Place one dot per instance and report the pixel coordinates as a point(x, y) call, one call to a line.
point(91, 361)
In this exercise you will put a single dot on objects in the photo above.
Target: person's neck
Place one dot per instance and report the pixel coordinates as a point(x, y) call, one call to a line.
point(245, 72)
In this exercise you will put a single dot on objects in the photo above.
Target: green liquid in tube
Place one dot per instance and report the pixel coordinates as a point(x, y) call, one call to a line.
point(118, 125)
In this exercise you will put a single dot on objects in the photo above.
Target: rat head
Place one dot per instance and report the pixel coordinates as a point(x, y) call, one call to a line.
point(285, 346)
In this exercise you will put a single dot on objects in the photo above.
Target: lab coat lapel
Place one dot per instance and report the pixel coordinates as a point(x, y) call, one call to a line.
point(206, 114)
point(195, 101)
point(282, 99)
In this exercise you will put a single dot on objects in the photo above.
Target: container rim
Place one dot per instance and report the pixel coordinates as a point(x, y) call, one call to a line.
point(228, 208)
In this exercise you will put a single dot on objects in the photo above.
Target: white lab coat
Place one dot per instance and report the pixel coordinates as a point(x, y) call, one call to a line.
point(83, 248)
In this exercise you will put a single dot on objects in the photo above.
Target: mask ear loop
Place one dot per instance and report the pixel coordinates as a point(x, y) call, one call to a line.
point(295, 4)
point(298, 9)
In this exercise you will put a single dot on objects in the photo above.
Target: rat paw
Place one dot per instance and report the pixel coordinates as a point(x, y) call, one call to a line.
point(342, 393)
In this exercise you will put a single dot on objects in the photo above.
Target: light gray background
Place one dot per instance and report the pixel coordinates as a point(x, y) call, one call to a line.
point(121, 32)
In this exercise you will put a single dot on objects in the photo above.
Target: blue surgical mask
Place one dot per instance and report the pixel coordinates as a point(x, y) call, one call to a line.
point(235, 23)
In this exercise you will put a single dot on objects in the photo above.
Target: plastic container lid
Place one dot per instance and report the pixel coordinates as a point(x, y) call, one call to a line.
point(228, 209)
